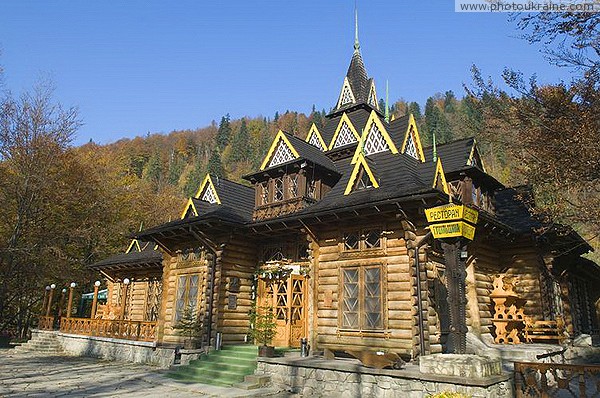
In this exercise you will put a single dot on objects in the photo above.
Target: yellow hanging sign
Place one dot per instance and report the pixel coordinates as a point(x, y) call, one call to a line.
point(452, 212)
point(452, 230)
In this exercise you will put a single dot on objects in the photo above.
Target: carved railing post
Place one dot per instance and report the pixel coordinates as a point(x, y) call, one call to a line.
point(49, 305)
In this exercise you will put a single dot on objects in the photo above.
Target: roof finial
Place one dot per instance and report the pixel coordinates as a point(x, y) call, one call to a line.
point(356, 43)
point(387, 99)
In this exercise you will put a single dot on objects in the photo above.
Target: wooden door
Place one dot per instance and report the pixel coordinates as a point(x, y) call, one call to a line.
point(287, 298)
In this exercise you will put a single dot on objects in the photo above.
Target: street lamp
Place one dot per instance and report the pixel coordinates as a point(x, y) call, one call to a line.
point(124, 300)
point(69, 306)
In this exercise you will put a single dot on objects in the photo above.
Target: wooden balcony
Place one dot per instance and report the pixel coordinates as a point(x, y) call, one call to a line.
point(281, 208)
point(112, 328)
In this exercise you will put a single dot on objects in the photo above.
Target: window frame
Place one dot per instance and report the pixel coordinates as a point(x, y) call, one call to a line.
point(275, 189)
point(361, 290)
point(362, 235)
point(178, 312)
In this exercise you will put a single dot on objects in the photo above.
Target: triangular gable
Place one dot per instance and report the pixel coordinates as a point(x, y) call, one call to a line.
point(315, 138)
point(361, 169)
point(282, 148)
point(439, 180)
point(372, 99)
point(412, 142)
point(374, 139)
point(189, 210)
point(345, 133)
point(346, 95)
point(207, 191)
point(474, 158)
point(134, 246)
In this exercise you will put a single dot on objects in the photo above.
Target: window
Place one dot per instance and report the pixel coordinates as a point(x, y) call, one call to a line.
point(282, 154)
point(278, 191)
point(264, 193)
point(368, 239)
point(375, 141)
point(293, 186)
point(346, 96)
point(344, 137)
point(411, 148)
point(311, 188)
point(314, 141)
point(273, 253)
point(362, 180)
point(209, 195)
point(362, 298)
point(187, 294)
point(351, 241)
point(474, 195)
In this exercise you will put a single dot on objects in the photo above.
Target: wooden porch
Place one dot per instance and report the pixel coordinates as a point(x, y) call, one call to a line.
point(111, 328)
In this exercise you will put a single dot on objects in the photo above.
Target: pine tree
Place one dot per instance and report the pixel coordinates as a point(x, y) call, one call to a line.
point(215, 166)
point(240, 144)
point(415, 109)
point(153, 170)
point(194, 179)
point(224, 133)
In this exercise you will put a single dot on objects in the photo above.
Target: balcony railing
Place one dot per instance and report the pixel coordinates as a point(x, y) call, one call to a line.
point(556, 380)
point(116, 329)
point(46, 323)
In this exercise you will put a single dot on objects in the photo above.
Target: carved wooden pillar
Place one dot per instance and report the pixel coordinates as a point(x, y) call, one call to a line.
point(61, 302)
point(124, 297)
point(457, 300)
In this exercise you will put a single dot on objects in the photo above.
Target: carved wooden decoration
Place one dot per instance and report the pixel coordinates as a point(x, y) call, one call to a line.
point(509, 317)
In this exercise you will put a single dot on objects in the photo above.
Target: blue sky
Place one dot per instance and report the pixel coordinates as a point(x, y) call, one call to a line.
point(134, 67)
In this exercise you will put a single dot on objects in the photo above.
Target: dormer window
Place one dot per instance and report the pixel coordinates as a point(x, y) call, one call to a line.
point(278, 189)
point(363, 181)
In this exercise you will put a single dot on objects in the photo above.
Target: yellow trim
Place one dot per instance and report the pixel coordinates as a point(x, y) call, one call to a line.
point(314, 130)
point(360, 161)
point(280, 136)
point(439, 171)
point(346, 84)
point(190, 202)
point(412, 123)
point(133, 242)
point(473, 149)
point(207, 180)
point(392, 118)
point(346, 119)
point(374, 118)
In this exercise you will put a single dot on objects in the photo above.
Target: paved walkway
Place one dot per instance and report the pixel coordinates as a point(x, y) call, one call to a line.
point(34, 375)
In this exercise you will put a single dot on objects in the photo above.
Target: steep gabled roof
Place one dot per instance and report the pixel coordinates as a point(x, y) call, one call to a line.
point(145, 254)
point(237, 197)
point(358, 118)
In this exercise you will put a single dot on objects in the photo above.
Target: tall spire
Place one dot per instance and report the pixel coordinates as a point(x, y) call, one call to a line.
point(434, 149)
point(356, 43)
point(387, 98)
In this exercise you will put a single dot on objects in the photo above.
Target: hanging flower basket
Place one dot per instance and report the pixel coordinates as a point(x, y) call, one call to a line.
point(275, 270)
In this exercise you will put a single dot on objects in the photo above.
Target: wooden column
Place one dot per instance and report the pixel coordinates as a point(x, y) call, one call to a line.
point(457, 300)
point(44, 305)
point(95, 300)
point(70, 303)
point(124, 297)
point(52, 287)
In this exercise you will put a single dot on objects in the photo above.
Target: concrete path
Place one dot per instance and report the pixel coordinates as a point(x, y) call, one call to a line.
point(34, 375)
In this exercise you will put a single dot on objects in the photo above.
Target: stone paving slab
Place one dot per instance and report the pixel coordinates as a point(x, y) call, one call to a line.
point(37, 375)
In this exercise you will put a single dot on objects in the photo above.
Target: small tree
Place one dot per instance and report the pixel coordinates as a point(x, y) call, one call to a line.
point(189, 325)
point(262, 325)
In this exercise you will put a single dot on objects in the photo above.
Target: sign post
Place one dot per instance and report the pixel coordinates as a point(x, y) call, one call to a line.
point(454, 225)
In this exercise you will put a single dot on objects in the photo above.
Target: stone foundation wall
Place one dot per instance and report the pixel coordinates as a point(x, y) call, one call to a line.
point(314, 381)
point(121, 350)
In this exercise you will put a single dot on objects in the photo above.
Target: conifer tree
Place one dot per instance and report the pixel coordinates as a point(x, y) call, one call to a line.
point(240, 144)
point(224, 133)
point(215, 166)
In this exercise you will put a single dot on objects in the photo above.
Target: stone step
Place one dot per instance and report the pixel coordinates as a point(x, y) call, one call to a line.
point(252, 382)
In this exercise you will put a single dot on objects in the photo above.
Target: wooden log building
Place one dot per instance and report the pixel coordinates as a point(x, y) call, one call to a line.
point(330, 232)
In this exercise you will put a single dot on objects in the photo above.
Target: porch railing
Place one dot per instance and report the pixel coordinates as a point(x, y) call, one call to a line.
point(556, 380)
point(46, 322)
point(117, 329)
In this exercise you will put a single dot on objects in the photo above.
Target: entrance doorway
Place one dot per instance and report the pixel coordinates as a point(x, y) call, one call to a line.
point(287, 297)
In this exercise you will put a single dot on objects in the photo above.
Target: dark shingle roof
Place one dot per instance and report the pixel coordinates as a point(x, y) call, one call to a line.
point(146, 256)
point(238, 197)
point(358, 117)
point(511, 209)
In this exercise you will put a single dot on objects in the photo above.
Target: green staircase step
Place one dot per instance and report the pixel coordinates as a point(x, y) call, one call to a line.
point(225, 367)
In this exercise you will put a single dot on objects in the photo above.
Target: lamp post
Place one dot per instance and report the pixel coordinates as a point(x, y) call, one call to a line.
point(61, 302)
point(46, 291)
point(95, 301)
point(124, 300)
point(71, 287)
point(52, 287)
